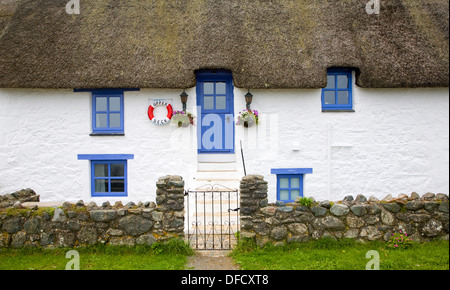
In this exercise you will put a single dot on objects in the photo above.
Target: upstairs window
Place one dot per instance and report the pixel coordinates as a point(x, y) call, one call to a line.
point(338, 96)
point(107, 112)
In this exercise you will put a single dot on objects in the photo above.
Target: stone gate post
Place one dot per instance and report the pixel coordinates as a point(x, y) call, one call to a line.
point(253, 197)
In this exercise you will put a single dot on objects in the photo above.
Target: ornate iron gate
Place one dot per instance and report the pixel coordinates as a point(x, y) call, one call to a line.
point(212, 217)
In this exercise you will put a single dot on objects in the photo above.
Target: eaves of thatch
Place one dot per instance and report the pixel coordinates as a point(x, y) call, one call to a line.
point(265, 43)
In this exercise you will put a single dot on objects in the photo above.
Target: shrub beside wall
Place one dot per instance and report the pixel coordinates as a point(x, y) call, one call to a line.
point(80, 225)
point(422, 218)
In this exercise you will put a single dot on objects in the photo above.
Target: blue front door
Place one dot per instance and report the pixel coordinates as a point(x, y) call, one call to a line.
point(215, 103)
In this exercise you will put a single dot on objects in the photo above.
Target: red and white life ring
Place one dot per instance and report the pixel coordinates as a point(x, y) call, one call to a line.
point(160, 103)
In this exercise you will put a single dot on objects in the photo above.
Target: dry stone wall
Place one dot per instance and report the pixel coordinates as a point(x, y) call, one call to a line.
point(18, 197)
point(80, 225)
point(423, 218)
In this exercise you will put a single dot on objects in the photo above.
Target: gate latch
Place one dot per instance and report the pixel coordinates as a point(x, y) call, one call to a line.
point(236, 209)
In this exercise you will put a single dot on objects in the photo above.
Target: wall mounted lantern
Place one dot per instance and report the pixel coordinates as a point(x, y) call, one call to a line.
point(248, 99)
point(184, 98)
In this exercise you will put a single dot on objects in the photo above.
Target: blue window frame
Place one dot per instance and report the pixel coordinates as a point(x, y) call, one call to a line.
point(109, 178)
point(289, 187)
point(109, 174)
point(338, 95)
point(290, 183)
point(107, 112)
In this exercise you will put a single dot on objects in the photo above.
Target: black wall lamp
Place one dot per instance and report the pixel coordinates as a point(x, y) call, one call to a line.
point(184, 98)
point(248, 99)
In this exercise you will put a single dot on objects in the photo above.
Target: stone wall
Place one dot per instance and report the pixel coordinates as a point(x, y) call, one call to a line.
point(78, 224)
point(18, 197)
point(423, 218)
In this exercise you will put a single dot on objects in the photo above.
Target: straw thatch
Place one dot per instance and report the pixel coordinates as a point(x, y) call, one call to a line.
point(265, 43)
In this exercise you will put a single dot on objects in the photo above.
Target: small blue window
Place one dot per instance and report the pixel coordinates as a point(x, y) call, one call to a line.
point(338, 93)
point(107, 112)
point(289, 187)
point(109, 178)
point(290, 183)
point(109, 174)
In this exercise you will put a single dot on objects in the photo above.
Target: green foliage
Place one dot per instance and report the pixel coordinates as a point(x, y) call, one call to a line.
point(171, 255)
point(245, 245)
point(342, 254)
point(400, 240)
point(17, 212)
point(333, 244)
point(174, 246)
point(305, 201)
point(40, 211)
point(10, 212)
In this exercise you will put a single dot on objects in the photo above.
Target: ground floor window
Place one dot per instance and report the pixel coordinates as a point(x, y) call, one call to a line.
point(290, 183)
point(109, 174)
point(109, 178)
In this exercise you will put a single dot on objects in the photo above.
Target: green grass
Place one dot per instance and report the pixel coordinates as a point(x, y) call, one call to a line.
point(328, 254)
point(169, 256)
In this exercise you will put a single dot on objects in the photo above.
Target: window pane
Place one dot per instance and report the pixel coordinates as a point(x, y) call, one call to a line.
point(114, 104)
point(342, 81)
point(284, 194)
point(117, 170)
point(343, 98)
point(117, 185)
point(331, 82)
point(101, 185)
point(101, 104)
point(101, 121)
point(221, 88)
point(101, 170)
point(295, 182)
point(114, 121)
point(329, 97)
point(294, 194)
point(208, 103)
point(221, 103)
point(284, 182)
point(208, 88)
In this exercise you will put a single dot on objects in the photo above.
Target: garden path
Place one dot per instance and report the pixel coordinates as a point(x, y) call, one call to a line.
point(211, 260)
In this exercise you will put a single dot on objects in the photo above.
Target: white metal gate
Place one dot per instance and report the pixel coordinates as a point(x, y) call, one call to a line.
point(212, 217)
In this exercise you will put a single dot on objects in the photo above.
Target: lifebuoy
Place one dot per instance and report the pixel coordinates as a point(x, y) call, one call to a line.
point(160, 103)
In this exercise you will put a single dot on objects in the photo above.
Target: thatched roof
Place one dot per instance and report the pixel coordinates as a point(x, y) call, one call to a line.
point(265, 43)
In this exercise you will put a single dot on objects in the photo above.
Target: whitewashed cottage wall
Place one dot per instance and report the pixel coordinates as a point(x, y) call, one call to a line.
point(396, 141)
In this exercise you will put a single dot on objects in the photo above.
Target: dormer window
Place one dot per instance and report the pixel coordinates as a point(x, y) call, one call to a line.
point(338, 95)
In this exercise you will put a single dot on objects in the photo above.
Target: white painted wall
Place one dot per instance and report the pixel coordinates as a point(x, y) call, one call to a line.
point(43, 131)
point(396, 142)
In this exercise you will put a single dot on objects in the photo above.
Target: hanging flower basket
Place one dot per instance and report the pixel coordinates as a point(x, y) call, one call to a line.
point(183, 119)
point(248, 118)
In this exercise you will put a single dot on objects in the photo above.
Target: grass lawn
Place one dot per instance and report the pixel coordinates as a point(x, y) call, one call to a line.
point(328, 254)
point(160, 257)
